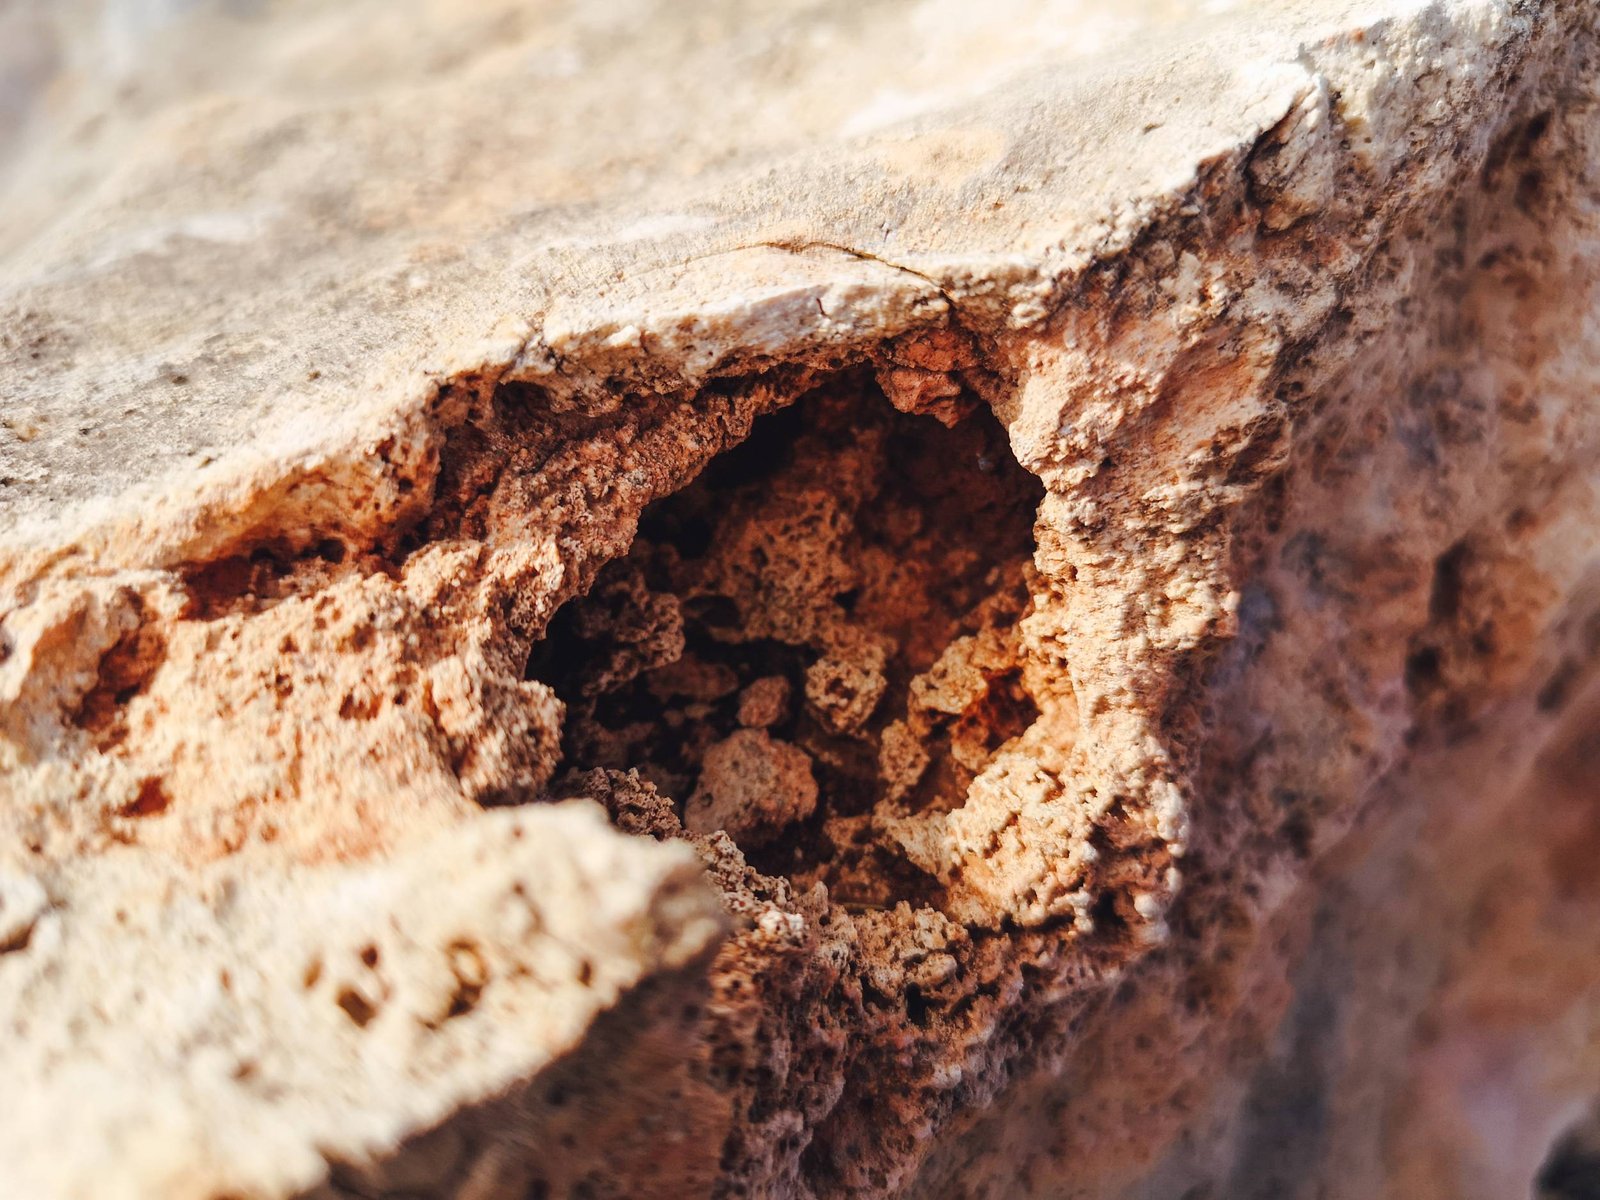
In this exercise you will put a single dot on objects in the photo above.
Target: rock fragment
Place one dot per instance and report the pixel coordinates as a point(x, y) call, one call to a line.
point(765, 702)
point(753, 786)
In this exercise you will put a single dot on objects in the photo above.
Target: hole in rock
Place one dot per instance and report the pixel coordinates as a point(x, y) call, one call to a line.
point(1571, 1171)
point(151, 800)
point(357, 1007)
point(125, 671)
point(818, 634)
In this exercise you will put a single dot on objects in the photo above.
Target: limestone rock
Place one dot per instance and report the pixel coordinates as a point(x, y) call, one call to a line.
point(1136, 463)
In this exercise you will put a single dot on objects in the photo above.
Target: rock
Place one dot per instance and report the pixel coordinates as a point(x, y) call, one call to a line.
point(752, 786)
point(765, 702)
point(1157, 446)
point(843, 690)
point(270, 1026)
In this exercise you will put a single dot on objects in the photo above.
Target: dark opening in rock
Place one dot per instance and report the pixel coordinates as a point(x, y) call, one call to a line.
point(1572, 1169)
point(819, 632)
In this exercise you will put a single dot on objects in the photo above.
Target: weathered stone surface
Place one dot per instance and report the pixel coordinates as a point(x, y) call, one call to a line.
point(1061, 536)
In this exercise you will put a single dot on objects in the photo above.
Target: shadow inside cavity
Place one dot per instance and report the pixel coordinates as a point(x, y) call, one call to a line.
point(791, 595)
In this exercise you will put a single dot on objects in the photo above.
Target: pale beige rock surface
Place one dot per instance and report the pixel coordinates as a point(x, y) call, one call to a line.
point(1072, 527)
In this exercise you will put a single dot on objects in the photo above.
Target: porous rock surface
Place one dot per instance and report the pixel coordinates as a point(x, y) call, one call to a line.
point(798, 599)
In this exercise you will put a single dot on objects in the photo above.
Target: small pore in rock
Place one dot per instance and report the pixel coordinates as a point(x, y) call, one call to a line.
point(125, 671)
point(150, 800)
point(817, 633)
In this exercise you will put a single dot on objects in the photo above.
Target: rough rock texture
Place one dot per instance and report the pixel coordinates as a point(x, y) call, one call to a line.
point(1061, 537)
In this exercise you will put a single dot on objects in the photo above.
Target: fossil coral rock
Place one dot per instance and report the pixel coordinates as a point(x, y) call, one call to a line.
point(799, 599)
